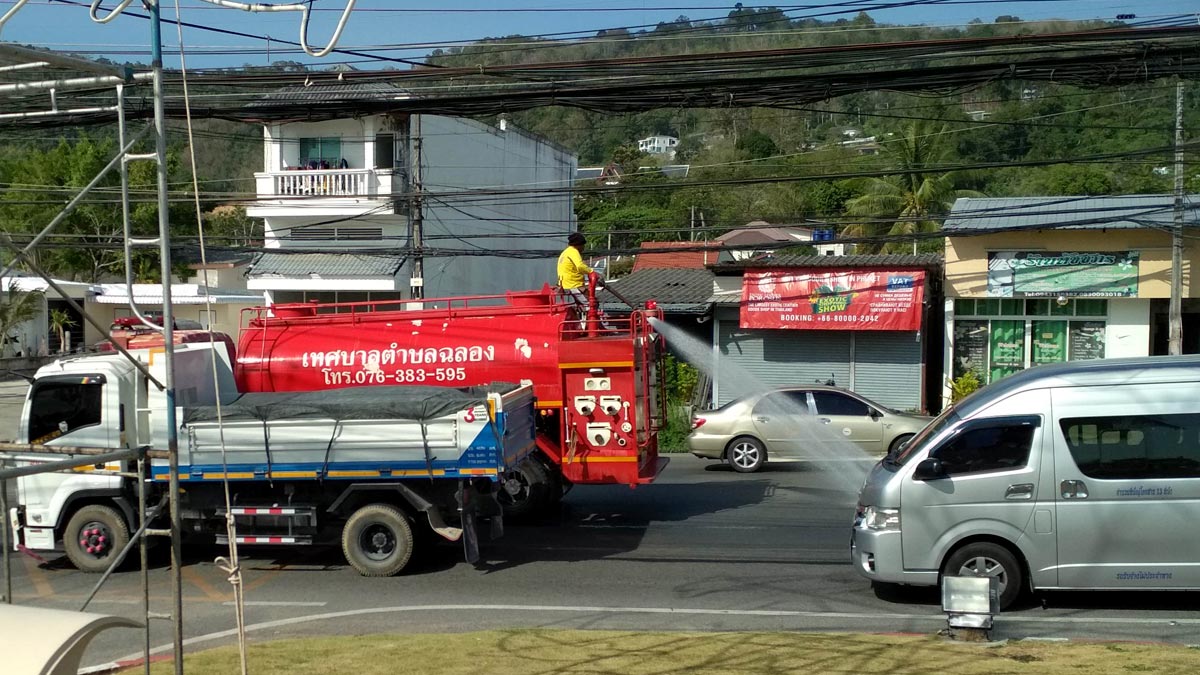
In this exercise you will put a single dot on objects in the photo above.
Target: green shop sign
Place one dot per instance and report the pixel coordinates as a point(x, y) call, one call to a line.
point(1043, 274)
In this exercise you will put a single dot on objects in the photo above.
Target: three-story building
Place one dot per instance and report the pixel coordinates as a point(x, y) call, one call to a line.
point(336, 198)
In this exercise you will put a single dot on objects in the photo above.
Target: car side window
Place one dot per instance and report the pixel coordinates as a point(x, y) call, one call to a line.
point(798, 402)
point(986, 449)
point(833, 403)
point(782, 403)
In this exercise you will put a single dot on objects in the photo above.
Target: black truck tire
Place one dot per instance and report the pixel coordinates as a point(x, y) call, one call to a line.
point(525, 490)
point(377, 540)
point(94, 536)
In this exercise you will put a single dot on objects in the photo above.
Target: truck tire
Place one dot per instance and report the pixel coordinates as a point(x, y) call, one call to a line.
point(557, 487)
point(985, 559)
point(525, 489)
point(377, 540)
point(94, 536)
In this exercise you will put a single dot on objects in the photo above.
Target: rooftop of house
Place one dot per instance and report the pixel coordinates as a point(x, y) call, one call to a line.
point(762, 232)
point(325, 265)
point(694, 255)
point(676, 290)
point(928, 261)
point(994, 214)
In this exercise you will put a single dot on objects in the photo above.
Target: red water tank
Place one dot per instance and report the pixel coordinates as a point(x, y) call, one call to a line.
point(450, 342)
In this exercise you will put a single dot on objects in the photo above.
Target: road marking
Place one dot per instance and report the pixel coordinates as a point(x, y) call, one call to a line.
point(193, 577)
point(38, 577)
point(785, 613)
point(276, 603)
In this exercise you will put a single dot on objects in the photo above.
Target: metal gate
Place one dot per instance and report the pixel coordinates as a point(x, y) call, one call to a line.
point(884, 366)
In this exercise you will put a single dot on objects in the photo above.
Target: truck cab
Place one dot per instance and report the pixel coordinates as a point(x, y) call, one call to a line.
point(99, 401)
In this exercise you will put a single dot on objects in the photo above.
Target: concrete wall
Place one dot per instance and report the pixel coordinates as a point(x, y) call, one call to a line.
point(464, 154)
point(1128, 329)
point(966, 257)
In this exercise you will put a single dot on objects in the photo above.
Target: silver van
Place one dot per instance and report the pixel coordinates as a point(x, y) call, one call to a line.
point(1082, 475)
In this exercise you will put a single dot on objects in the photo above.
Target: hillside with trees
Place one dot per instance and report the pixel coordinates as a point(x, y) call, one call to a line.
point(880, 166)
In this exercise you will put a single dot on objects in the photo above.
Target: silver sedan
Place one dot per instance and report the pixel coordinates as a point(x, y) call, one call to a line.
point(815, 422)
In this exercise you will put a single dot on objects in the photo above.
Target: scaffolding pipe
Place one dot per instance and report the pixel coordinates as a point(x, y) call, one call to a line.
point(99, 80)
point(168, 329)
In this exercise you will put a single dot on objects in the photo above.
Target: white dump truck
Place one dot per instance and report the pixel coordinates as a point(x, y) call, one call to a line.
point(366, 466)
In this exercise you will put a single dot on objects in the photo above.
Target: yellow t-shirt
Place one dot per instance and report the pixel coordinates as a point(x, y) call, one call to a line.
point(571, 268)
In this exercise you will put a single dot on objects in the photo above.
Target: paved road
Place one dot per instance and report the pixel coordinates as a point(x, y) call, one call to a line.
point(703, 549)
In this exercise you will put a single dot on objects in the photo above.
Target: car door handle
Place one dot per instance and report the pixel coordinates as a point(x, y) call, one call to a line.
point(1073, 489)
point(762, 419)
point(1019, 491)
point(824, 420)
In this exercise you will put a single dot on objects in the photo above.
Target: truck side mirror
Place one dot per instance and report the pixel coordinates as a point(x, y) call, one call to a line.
point(929, 469)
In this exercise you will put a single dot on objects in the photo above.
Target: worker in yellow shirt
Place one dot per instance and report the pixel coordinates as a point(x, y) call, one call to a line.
point(572, 273)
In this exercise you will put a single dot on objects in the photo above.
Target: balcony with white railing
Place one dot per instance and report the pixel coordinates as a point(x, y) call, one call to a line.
point(338, 190)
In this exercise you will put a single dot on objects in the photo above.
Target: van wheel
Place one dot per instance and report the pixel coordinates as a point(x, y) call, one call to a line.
point(746, 455)
point(94, 536)
point(899, 441)
point(377, 540)
point(985, 559)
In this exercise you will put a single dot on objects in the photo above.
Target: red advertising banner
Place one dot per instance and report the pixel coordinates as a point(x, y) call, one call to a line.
point(833, 300)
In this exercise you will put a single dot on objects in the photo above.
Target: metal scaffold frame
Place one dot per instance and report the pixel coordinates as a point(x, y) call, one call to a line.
point(53, 85)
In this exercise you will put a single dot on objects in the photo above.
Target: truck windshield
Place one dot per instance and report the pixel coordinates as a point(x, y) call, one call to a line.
point(948, 418)
point(60, 406)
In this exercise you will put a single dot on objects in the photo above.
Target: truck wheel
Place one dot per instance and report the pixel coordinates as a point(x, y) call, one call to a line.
point(556, 488)
point(377, 540)
point(94, 536)
point(745, 454)
point(985, 559)
point(524, 489)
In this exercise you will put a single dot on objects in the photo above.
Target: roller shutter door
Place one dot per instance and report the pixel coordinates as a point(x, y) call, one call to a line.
point(887, 368)
point(751, 360)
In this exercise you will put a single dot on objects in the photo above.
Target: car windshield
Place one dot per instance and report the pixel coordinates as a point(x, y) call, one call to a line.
point(948, 417)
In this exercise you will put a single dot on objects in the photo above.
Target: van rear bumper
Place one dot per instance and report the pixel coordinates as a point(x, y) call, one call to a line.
point(877, 556)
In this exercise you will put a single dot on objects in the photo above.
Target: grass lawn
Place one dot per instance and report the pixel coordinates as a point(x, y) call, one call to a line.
point(538, 652)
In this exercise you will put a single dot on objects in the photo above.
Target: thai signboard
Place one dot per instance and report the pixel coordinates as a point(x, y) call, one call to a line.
point(1042, 274)
point(833, 300)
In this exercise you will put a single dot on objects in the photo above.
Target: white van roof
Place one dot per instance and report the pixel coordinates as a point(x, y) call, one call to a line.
point(1087, 373)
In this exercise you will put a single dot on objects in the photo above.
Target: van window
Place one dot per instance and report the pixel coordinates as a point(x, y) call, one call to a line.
point(1135, 447)
point(58, 407)
point(984, 449)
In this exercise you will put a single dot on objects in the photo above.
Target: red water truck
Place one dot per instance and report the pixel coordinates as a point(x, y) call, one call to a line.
point(597, 383)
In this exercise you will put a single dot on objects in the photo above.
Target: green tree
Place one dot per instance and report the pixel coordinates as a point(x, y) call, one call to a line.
point(757, 144)
point(17, 308)
point(912, 201)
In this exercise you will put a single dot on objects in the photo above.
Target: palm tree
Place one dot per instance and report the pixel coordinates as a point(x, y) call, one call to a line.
point(912, 201)
point(17, 308)
point(60, 321)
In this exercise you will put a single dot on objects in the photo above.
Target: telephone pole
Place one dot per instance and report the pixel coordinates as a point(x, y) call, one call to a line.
point(417, 281)
point(1175, 312)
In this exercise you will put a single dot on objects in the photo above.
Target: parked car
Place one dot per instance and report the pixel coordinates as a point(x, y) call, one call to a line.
point(798, 422)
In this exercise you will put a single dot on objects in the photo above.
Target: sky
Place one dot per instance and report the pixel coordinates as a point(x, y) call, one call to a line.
point(412, 28)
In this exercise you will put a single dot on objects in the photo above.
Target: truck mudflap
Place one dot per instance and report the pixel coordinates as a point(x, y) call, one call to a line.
point(650, 470)
point(477, 500)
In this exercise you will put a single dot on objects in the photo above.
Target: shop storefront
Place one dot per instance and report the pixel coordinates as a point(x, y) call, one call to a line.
point(1081, 283)
point(860, 321)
